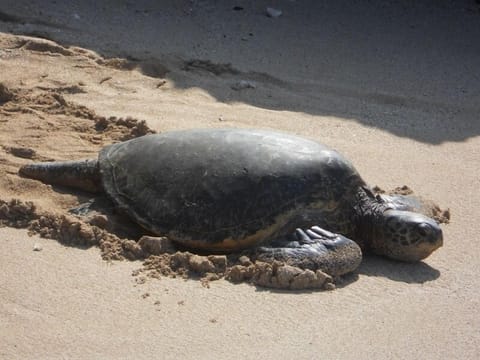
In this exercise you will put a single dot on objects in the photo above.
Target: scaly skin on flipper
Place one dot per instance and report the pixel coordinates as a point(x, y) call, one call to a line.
point(314, 249)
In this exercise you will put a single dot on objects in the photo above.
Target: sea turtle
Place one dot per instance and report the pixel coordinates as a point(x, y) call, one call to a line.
point(224, 190)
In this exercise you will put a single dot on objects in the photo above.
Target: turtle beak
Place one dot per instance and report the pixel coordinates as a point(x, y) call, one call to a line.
point(435, 237)
point(430, 237)
point(431, 234)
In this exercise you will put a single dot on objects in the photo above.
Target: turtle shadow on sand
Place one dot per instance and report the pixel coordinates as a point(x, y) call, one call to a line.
point(411, 273)
point(396, 87)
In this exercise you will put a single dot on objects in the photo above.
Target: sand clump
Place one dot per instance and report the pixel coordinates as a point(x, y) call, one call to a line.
point(67, 229)
point(275, 275)
point(156, 245)
point(280, 276)
point(122, 128)
point(16, 213)
point(43, 101)
point(46, 46)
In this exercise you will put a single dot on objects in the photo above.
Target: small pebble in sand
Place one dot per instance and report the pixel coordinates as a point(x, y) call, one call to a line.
point(273, 13)
point(156, 245)
point(37, 247)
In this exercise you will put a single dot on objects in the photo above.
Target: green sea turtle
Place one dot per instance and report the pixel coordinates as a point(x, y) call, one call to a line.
point(225, 190)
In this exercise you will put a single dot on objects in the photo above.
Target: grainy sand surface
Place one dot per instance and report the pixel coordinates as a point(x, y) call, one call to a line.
point(394, 86)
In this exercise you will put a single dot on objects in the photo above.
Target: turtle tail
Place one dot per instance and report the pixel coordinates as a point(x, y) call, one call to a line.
point(81, 174)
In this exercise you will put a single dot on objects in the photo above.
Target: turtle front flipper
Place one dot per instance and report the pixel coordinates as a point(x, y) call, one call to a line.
point(314, 249)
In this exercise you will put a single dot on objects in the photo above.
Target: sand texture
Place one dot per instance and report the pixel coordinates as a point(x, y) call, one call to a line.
point(393, 86)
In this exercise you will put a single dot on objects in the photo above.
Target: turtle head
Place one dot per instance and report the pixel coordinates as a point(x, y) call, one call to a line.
point(406, 236)
point(393, 227)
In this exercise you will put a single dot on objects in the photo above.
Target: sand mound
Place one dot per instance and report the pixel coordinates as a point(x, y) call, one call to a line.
point(43, 101)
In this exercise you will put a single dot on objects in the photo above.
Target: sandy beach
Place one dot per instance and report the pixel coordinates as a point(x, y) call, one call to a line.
point(394, 87)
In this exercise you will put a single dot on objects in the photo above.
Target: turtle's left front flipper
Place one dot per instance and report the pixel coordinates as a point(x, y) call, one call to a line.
point(314, 249)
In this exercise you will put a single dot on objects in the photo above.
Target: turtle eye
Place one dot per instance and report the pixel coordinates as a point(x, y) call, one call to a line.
point(424, 230)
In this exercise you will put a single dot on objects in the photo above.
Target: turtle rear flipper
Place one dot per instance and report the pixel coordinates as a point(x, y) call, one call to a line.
point(81, 174)
point(314, 249)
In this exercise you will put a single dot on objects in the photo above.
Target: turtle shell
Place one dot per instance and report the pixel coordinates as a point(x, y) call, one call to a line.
point(223, 189)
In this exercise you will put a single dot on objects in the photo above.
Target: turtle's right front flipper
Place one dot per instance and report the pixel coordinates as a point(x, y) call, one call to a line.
point(314, 249)
point(82, 174)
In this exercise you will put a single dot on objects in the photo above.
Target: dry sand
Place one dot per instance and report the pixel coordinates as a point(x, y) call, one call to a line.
point(394, 87)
